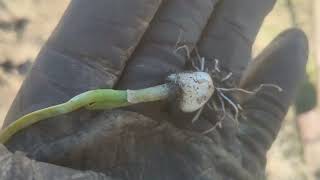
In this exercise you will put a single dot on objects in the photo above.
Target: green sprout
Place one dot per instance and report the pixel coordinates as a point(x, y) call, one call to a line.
point(195, 89)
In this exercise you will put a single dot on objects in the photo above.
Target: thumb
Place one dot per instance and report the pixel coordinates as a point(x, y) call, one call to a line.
point(283, 64)
point(17, 166)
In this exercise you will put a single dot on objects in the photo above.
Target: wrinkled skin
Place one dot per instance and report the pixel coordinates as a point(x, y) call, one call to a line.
point(125, 44)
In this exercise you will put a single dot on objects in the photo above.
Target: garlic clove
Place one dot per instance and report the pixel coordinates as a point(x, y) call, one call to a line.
point(196, 89)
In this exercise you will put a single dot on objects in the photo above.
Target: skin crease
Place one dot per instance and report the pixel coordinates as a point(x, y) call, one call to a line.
point(134, 50)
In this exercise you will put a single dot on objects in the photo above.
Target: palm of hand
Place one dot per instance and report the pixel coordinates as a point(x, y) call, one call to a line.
point(129, 145)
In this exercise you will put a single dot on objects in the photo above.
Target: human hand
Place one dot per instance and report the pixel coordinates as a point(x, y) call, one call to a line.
point(96, 45)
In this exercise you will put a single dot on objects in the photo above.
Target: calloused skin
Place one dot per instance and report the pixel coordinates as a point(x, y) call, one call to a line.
point(129, 44)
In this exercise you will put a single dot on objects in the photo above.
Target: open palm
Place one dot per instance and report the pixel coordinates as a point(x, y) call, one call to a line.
point(131, 44)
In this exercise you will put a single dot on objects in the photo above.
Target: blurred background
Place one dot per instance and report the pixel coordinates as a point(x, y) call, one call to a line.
point(26, 24)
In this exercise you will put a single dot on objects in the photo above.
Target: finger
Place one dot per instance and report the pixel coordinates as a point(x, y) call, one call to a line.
point(282, 63)
point(179, 22)
point(231, 31)
point(88, 49)
point(100, 35)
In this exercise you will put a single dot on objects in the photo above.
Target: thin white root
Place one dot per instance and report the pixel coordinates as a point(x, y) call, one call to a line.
point(216, 66)
point(251, 92)
point(179, 39)
point(223, 107)
point(202, 63)
point(195, 66)
point(218, 124)
point(240, 107)
point(209, 106)
point(197, 115)
point(227, 77)
point(184, 47)
point(235, 107)
point(269, 85)
point(236, 89)
point(197, 53)
point(215, 106)
point(221, 96)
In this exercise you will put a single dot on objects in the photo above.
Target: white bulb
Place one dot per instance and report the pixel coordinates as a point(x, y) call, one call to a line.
point(196, 89)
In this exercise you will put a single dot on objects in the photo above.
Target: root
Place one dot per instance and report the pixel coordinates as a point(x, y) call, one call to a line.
point(183, 47)
point(202, 63)
point(179, 39)
point(269, 85)
point(197, 53)
point(234, 105)
point(227, 77)
point(223, 107)
point(254, 91)
point(199, 64)
point(216, 66)
point(218, 124)
point(195, 66)
point(197, 115)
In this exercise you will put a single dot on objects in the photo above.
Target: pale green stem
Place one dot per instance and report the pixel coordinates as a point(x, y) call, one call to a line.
point(92, 100)
point(148, 94)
